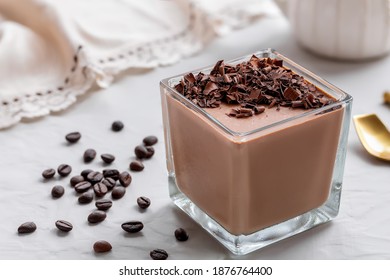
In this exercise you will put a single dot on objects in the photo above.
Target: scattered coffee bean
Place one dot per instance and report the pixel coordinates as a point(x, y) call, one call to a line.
point(97, 216)
point(111, 173)
point(150, 151)
point(125, 179)
point(133, 226)
point(181, 234)
point(89, 155)
point(76, 179)
point(158, 254)
point(117, 126)
point(57, 191)
point(110, 183)
point(73, 137)
point(64, 225)
point(102, 246)
point(150, 140)
point(85, 173)
point(141, 152)
point(27, 227)
point(107, 158)
point(86, 198)
point(118, 192)
point(83, 186)
point(48, 173)
point(64, 170)
point(94, 177)
point(143, 202)
point(136, 166)
point(103, 204)
point(100, 189)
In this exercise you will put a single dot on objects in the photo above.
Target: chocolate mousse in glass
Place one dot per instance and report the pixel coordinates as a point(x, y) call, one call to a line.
point(255, 148)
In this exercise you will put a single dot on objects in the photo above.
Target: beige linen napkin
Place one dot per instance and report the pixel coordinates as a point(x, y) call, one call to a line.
point(51, 51)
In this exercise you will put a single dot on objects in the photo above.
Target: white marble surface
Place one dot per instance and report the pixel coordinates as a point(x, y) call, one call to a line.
point(361, 231)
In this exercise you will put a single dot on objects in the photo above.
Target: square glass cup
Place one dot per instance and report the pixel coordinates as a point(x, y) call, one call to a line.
point(250, 189)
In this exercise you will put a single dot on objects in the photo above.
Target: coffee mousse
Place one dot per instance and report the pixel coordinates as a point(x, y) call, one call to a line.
point(252, 157)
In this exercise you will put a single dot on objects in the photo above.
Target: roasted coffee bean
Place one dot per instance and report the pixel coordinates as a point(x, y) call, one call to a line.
point(118, 192)
point(85, 173)
point(150, 140)
point(97, 216)
point(103, 204)
point(89, 155)
point(117, 126)
point(141, 152)
point(150, 151)
point(125, 179)
point(143, 202)
point(48, 173)
point(27, 227)
point(64, 170)
point(136, 166)
point(102, 246)
point(83, 186)
point(159, 254)
point(100, 189)
point(110, 183)
point(133, 226)
point(111, 173)
point(57, 191)
point(76, 179)
point(95, 177)
point(86, 198)
point(64, 225)
point(73, 137)
point(181, 234)
point(107, 158)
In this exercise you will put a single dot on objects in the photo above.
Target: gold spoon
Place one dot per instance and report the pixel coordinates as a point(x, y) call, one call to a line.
point(374, 135)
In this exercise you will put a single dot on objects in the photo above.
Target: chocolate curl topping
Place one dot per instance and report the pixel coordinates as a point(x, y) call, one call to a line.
point(254, 84)
point(210, 86)
point(190, 78)
point(291, 94)
point(241, 113)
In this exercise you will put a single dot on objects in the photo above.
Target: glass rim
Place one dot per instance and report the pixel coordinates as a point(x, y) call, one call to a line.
point(316, 80)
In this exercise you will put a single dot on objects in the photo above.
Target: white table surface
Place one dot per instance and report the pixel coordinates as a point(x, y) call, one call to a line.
point(361, 231)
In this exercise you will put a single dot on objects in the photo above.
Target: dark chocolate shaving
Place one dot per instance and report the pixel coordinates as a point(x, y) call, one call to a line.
point(255, 85)
point(291, 94)
point(241, 113)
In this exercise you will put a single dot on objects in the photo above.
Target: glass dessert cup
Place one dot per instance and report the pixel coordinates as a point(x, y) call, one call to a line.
point(250, 189)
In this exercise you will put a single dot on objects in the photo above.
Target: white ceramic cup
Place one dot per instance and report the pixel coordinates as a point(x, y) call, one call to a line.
point(341, 29)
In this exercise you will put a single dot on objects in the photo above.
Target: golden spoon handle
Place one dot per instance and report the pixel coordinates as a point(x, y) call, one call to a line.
point(386, 97)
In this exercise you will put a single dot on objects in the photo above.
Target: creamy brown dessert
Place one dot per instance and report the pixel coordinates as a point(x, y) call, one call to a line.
point(246, 180)
point(268, 117)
